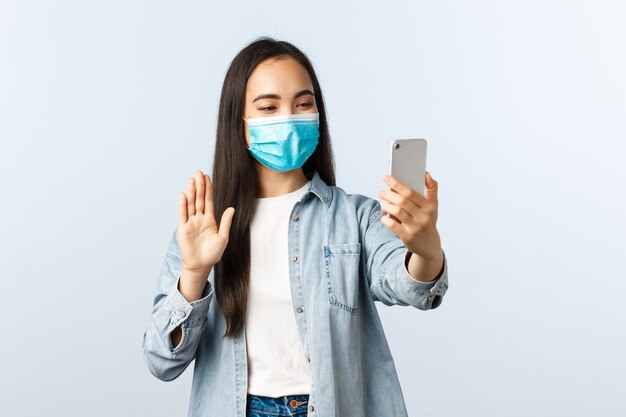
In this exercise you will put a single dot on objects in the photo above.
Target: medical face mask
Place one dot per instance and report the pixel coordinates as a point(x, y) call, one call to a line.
point(283, 142)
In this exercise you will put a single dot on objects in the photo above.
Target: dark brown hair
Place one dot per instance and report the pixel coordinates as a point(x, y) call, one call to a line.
point(234, 176)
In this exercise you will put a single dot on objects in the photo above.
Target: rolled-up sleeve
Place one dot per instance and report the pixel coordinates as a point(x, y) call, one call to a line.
point(385, 264)
point(170, 310)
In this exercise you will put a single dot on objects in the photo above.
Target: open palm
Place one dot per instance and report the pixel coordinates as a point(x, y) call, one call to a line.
point(201, 242)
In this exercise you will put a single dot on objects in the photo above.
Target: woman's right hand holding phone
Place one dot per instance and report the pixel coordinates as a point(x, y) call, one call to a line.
point(201, 242)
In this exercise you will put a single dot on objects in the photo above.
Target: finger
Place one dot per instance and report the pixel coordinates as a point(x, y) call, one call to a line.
point(225, 222)
point(208, 196)
point(401, 188)
point(191, 197)
point(182, 208)
point(199, 192)
point(397, 211)
point(432, 188)
point(400, 200)
point(392, 225)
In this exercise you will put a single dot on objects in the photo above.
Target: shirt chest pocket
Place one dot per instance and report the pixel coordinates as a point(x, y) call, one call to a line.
point(341, 263)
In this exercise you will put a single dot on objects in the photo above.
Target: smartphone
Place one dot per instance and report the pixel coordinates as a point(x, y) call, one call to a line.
point(407, 162)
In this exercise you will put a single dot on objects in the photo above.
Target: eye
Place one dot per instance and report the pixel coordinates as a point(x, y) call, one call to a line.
point(307, 104)
point(267, 108)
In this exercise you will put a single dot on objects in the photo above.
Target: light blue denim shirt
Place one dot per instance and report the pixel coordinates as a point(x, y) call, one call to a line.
point(341, 260)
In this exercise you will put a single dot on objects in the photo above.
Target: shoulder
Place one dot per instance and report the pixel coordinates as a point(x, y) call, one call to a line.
point(363, 206)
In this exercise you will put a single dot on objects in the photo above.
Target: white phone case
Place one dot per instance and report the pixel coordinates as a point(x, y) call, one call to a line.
point(407, 162)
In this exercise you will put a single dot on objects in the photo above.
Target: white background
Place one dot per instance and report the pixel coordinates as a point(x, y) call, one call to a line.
point(106, 107)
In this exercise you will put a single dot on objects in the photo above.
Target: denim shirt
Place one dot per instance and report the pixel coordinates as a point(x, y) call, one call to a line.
point(342, 260)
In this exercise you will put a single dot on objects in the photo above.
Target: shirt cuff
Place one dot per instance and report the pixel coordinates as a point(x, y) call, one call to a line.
point(182, 311)
point(436, 288)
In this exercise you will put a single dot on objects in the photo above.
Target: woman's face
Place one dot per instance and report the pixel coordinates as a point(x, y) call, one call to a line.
point(277, 87)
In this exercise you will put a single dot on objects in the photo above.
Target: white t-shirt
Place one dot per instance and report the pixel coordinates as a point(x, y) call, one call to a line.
point(277, 364)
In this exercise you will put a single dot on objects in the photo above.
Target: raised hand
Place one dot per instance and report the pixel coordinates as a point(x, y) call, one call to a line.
point(201, 242)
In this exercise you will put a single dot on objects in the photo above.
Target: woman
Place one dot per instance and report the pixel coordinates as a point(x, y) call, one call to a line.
point(276, 305)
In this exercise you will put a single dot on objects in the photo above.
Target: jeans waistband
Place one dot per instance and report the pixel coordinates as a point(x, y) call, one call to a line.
point(287, 405)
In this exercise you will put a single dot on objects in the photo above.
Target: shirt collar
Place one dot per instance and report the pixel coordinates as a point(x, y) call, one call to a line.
point(320, 189)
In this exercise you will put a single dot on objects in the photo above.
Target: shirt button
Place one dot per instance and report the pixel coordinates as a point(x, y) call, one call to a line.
point(294, 258)
point(299, 309)
point(311, 408)
point(308, 359)
point(294, 217)
point(182, 314)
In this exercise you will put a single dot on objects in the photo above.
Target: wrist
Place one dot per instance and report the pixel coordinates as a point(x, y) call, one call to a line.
point(194, 275)
point(191, 285)
point(196, 271)
point(423, 268)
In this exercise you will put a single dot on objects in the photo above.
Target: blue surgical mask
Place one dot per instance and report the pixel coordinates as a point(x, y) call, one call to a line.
point(283, 142)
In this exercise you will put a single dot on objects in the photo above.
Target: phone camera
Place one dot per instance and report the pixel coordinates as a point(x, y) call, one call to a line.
point(397, 146)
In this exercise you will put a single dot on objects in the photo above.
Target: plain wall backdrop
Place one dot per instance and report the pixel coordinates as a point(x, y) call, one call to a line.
point(106, 107)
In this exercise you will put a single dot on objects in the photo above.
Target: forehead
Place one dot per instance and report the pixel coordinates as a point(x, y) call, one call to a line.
point(274, 75)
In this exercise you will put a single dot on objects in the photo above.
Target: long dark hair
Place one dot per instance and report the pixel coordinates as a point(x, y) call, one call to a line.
point(234, 177)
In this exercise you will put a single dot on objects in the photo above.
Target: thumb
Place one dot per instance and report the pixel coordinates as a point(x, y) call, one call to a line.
point(431, 188)
point(225, 222)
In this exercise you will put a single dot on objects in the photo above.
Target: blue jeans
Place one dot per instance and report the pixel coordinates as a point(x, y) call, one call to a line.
point(287, 406)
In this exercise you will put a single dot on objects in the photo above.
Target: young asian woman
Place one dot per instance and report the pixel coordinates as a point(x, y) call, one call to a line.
point(276, 302)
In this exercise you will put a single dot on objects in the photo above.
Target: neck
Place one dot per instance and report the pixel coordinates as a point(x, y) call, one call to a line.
point(272, 184)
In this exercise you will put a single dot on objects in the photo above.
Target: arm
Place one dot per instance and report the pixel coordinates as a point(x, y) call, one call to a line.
point(424, 269)
point(191, 293)
point(386, 268)
point(170, 311)
point(409, 256)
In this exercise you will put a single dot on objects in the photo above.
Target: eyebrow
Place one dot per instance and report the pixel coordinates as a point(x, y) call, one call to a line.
point(277, 97)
